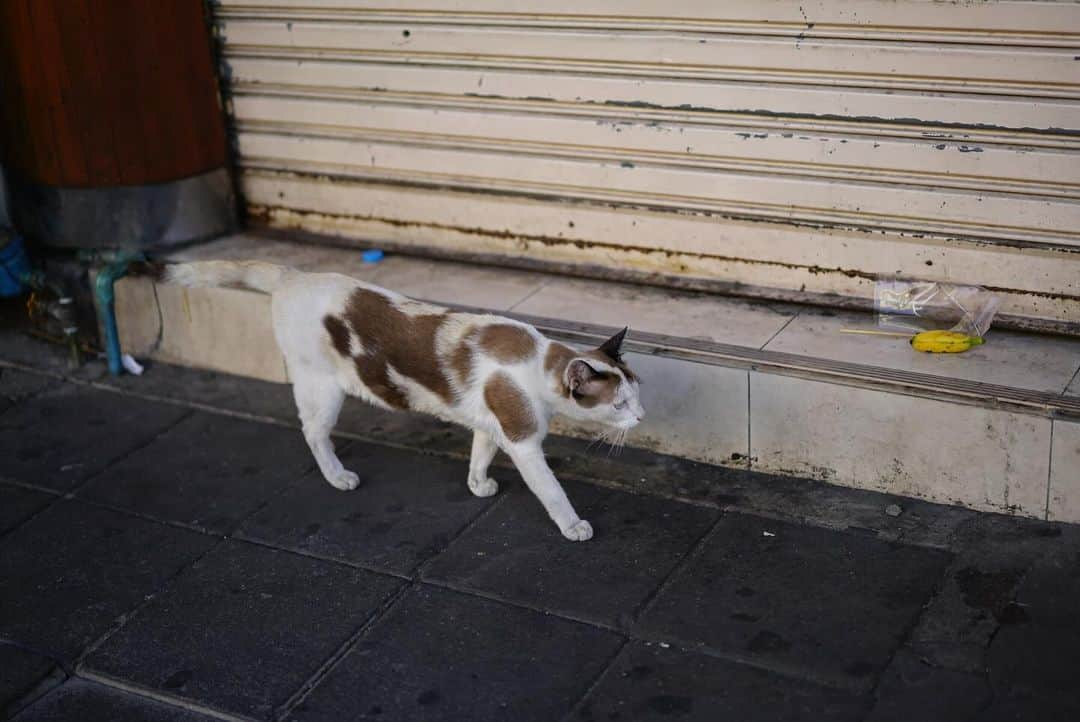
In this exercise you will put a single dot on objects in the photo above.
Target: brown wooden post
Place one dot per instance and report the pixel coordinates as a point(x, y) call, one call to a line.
point(111, 129)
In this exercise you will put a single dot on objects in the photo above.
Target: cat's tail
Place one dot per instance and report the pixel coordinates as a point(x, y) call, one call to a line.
point(256, 275)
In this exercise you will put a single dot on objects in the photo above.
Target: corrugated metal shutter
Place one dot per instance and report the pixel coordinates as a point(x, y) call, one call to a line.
point(765, 147)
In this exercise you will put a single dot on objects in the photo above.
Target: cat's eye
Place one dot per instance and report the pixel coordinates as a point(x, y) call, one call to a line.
point(621, 405)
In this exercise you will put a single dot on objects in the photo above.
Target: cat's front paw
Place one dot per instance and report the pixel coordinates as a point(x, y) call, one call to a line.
point(345, 480)
point(483, 487)
point(580, 530)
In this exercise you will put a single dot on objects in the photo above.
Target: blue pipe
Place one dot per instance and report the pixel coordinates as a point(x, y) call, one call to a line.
point(105, 295)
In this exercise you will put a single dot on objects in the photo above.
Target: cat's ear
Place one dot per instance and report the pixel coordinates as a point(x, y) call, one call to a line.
point(578, 376)
point(612, 348)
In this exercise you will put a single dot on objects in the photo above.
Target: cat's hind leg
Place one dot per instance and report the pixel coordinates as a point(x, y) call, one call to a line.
point(318, 401)
point(484, 449)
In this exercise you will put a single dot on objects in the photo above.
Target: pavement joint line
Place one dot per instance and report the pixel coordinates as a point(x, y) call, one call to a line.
point(32, 394)
point(56, 497)
point(161, 697)
point(787, 671)
point(457, 456)
point(780, 330)
point(70, 493)
point(1012, 595)
point(30, 486)
point(147, 517)
point(45, 685)
point(692, 555)
point(1049, 472)
point(121, 621)
point(493, 597)
point(356, 566)
point(749, 426)
point(330, 664)
point(41, 652)
point(539, 287)
point(259, 418)
point(597, 681)
point(1074, 377)
point(221, 411)
point(419, 572)
point(916, 618)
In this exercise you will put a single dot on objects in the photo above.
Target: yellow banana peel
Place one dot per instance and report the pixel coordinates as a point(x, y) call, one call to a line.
point(944, 341)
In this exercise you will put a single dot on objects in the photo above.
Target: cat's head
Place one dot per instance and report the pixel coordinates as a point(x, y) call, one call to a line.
point(600, 387)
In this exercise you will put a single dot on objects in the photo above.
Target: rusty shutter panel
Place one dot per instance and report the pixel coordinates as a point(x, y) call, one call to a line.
point(784, 149)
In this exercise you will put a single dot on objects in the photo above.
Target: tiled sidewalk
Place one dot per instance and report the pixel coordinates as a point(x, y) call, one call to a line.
point(169, 560)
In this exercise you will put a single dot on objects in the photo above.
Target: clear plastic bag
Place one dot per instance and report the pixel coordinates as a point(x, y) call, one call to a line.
point(929, 305)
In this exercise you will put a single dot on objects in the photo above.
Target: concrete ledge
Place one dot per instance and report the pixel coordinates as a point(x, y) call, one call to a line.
point(995, 430)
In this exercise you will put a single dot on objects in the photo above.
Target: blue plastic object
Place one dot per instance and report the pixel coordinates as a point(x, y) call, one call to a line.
point(373, 255)
point(14, 267)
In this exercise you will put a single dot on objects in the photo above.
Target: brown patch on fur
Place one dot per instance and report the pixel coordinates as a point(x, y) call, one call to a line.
point(601, 356)
point(461, 358)
point(556, 360)
point(393, 338)
point(600, 389)
point(558, 356)
point(376, 376)
point(507, 343)
point(339, 335)
point(510, 406)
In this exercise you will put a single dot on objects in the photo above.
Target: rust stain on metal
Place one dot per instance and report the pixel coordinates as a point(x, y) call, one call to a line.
point(265, 213)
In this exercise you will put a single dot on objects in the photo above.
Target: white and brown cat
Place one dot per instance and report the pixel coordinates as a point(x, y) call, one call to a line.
point(499, 377)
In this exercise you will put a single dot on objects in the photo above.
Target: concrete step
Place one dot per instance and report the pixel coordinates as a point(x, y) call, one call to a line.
point(758, 385)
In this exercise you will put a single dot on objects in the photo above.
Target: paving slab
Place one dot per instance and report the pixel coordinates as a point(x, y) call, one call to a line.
point(81, 701)
point(18, 504)
point(199, 386)
point(993, 554)
point(911, 689)
point(271, 400)
point(517, 553)
point(61, 438)
point(441, 655)
point(20, 671)
point(648, 682)
point(407, 508)
point(243, 629)
point(817, 603)
point(1036, 652)
point(16, 385)
point(400, 427)
point(1028, 709)
point(71, 571)
point(209, 471)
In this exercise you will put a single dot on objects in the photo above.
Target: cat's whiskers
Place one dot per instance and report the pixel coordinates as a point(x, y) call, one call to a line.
point(615, 438)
